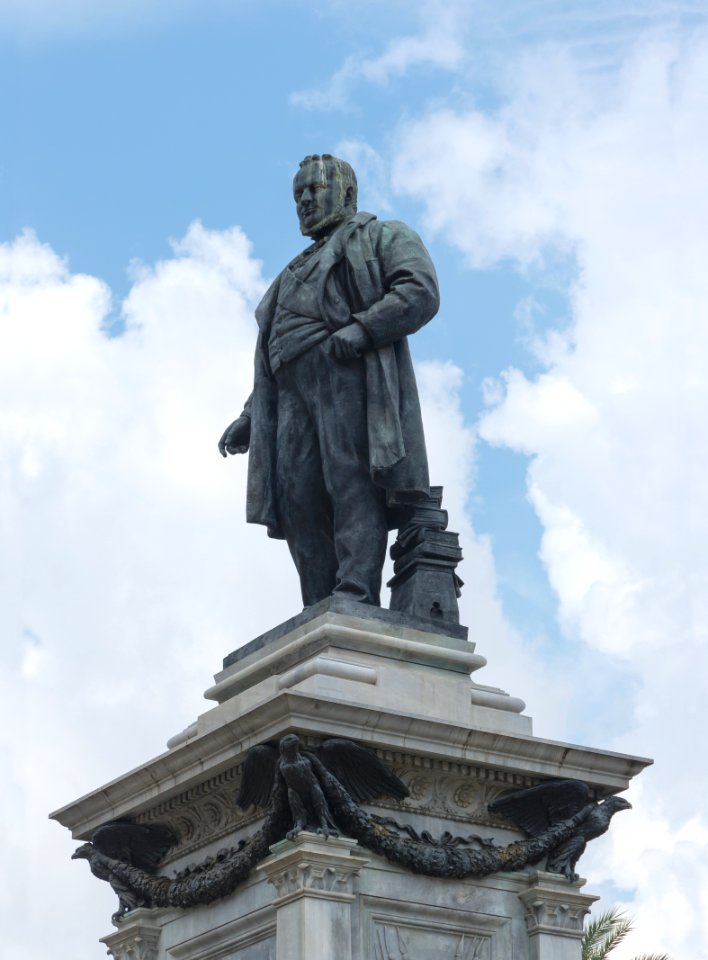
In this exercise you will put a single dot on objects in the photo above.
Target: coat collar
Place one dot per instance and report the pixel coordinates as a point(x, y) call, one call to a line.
point(332, 251)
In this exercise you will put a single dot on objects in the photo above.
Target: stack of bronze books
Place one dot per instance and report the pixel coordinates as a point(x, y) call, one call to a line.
point(425, 556)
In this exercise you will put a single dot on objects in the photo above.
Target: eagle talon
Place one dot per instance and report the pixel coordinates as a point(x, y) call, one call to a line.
point(327, 832)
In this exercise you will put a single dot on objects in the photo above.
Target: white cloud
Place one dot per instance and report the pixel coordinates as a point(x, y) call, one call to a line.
point(128, 571)
point(515, 663)
point(437, 45)
point(372, 174)
point(611, 171)
point(486, 41)
point(126, 566)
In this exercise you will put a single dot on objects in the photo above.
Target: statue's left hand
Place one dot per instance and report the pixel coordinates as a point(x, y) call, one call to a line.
point(237, 436)
point(349, 342)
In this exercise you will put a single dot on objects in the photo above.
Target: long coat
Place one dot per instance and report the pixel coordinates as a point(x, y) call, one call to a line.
point(389, 285)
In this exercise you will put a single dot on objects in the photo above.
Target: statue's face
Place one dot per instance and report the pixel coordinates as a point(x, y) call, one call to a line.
point(319, 198)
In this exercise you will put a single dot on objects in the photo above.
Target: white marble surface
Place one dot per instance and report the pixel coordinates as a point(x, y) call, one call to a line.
point(456, 743)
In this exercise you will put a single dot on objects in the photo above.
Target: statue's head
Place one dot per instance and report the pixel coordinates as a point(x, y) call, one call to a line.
point(325, 193)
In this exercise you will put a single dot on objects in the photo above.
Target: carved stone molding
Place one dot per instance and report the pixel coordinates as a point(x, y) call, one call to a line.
point(136, 939)
point(313, 866)
point(312, 879)
point(555, 917)
point(553, 906)
point(454, 791)
point(203, 814)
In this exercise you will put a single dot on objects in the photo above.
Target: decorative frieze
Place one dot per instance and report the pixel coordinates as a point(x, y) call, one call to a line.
point(453, 791)
point(312, 878)
point(208, 812)
point(203, 814)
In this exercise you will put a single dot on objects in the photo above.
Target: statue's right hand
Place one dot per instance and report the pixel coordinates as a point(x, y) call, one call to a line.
point(236, 437)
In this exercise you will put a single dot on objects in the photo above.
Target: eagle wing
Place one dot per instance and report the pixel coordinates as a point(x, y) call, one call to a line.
point(536, 809)
point(139, 844)
point(259, 770)
point(360, 771)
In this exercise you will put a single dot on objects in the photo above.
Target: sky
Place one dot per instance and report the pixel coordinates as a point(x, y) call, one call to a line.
point(553, 157)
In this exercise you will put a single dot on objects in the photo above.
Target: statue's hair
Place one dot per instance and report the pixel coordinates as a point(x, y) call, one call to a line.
point(343, 173)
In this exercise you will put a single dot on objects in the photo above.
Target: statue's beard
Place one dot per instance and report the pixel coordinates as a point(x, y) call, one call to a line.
point(317, 230)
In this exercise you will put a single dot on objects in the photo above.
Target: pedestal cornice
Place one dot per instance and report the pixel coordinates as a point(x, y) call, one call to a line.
point(194, 764)
point(366, 680)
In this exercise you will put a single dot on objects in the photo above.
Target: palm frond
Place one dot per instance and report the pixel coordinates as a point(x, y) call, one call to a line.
point(604, 934)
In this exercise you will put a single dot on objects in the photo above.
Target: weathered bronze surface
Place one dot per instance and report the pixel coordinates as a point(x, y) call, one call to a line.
point(333, 426)
point(321, 790)
point(137, 844)
point(425, 557)
point(358, 769)
point(539, 808)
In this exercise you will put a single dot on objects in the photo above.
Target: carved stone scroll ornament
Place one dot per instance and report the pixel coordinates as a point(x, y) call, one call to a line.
point(321, 791)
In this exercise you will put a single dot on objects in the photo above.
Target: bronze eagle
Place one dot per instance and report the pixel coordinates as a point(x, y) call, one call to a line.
point(358, 770)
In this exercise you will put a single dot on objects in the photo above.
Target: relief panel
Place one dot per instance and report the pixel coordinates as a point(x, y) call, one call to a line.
point(410, 931)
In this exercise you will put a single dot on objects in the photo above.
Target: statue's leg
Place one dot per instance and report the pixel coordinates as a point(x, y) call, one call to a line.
point(338, 405)
point(303, 503)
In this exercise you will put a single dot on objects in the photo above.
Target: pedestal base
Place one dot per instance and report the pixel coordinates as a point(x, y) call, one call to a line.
point(405, 692)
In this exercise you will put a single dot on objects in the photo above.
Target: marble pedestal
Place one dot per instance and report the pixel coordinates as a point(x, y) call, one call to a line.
point(377, 678)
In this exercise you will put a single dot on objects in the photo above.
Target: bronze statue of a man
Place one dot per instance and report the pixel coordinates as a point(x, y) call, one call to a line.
point(333, 426)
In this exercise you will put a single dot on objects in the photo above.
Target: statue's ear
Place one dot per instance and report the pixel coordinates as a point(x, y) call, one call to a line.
point(349, 196)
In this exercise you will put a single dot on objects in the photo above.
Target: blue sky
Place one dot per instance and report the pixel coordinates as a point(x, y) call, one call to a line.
point(553, 157)
point(116, 141)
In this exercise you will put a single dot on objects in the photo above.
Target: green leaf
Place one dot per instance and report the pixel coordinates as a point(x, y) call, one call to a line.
point(603, 934)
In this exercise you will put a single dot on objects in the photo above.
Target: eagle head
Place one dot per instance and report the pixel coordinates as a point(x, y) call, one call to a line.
point(290, 745)
point(614, 804)
point(84, 852)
